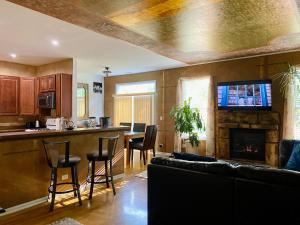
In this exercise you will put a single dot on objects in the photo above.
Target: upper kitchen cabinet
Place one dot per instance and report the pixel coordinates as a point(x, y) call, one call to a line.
point(47, 83)
point(27, 96)
point(64, 95)
point(9, 95)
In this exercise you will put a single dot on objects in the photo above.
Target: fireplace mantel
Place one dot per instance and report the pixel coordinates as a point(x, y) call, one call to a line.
point(268, 121)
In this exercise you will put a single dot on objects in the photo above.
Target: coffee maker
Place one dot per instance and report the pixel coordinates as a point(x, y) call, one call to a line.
point(105, 121)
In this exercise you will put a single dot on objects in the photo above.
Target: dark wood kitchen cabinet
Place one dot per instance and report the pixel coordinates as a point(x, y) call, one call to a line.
point(64, 95)
point(47, 83)
point(9, 95)
point(27, 96)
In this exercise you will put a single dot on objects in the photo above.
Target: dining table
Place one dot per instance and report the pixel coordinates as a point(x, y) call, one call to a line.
point(128, 135)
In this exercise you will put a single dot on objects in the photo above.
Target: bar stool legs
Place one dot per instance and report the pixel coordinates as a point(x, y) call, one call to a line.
point(75, 184)
point(108, 176)
point(92, 177)
point(111, 177)
point(53, 187)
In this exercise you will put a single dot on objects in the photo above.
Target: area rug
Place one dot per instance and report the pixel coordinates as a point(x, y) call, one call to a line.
point(66, 221)
point(143, 174)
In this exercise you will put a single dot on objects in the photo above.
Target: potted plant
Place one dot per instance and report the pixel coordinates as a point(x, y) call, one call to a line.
point(188, 123)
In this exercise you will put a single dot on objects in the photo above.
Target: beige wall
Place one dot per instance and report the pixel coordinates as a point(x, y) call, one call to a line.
point(16, 69)
point(243, 69)
point(65, 66)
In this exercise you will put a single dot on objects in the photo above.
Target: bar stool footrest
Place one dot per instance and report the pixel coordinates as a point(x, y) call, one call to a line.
point(50, 189)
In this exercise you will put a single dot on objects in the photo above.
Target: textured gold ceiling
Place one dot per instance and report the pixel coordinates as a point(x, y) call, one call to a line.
point(192, 31)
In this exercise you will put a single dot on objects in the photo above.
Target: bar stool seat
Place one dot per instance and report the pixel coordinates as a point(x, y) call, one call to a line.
point(73, 161)
point(94, 155)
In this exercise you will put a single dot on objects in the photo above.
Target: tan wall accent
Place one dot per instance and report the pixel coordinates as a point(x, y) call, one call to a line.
point(242, 69)
point(16, 69)
point(65, 66)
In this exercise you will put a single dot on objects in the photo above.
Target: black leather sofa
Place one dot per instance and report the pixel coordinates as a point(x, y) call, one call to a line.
point(216, 193)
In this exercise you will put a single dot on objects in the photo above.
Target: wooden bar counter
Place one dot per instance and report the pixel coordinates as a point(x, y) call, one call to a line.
point(24, 173)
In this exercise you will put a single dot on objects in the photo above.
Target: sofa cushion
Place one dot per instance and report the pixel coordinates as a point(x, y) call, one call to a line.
point(294, 160)
point(269, 175)
point(192, 157)
point(285, 151)
point(222, 168)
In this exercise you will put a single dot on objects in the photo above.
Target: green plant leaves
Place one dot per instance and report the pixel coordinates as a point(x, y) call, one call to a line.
point(188, 121)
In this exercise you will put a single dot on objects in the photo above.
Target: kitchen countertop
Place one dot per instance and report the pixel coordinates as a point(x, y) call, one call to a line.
point(22, 134)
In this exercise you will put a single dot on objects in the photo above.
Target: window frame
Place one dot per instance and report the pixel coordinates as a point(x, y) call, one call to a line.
point(86, 88)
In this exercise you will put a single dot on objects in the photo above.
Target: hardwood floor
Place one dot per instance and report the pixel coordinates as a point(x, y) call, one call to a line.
point(128, 207)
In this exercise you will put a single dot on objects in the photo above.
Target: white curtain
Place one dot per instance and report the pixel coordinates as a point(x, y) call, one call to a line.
point(210, 121)
point(179, 101)
point(289, 113)
point(210, 124)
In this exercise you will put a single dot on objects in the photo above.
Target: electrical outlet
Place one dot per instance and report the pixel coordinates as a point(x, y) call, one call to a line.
point(161, 145)
point(65, 177)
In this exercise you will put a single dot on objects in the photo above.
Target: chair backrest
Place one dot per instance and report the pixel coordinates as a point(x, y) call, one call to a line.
point(125, 124)
point(53, 149)
point(111, 143)
point(150, 137)
point(139, 127)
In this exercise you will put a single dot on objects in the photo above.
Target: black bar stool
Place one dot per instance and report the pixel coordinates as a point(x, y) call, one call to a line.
point(55, 161)
point(105, 155)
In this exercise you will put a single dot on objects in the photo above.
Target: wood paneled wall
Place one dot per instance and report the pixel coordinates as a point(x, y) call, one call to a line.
point(243, 69)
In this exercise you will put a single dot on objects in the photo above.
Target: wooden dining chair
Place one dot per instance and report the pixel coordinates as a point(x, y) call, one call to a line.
point(147, 144)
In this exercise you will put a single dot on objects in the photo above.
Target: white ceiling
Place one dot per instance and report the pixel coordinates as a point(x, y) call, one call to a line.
point(29, 34)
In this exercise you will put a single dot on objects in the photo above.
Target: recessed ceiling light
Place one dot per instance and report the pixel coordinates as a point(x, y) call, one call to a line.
point(55, 42)
point(13, 55)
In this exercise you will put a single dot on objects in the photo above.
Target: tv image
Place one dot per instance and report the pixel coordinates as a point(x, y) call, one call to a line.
point(245, 95)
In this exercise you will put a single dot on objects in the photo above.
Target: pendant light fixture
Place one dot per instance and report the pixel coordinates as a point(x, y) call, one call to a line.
point(106, 71)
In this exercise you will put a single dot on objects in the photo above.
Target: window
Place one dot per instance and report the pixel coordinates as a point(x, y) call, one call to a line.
point(134, 102)
point(197, 90)
point(82, 101)
point(136, 87)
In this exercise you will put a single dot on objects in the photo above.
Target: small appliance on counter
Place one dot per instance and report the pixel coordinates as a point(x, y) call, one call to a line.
point(55, 123)
point(46, 100)
point(105, 121)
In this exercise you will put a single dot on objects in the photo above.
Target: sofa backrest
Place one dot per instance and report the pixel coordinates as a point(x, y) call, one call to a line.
point(285, 151)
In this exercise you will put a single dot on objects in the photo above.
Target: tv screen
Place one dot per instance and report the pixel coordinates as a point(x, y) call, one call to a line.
point(247, 95)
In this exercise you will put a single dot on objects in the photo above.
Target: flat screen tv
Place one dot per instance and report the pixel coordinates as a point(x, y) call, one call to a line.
point(245, 95)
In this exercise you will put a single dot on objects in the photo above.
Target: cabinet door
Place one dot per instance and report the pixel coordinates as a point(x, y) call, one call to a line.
point(9, 95)
point(27, 96)
point(47, 83)
point(51, 83)
point(43, 84)
point(64, 95)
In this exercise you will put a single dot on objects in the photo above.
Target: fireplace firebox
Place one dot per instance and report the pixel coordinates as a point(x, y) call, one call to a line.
point(247, 144)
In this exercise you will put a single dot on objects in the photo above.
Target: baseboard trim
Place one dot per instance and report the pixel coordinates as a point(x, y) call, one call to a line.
point(42, 200)
point(23, 206)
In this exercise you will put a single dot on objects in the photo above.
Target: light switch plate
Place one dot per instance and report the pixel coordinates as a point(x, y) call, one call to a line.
point(65, 177)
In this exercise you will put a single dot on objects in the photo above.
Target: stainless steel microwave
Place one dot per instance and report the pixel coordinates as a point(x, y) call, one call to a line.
point(46, 100)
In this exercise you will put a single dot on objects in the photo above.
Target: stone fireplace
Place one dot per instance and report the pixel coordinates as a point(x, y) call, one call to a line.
point(247, 144)
point(248, 136)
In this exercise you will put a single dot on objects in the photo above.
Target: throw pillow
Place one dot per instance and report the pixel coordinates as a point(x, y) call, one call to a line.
point(192, 157)
point(294, 160)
